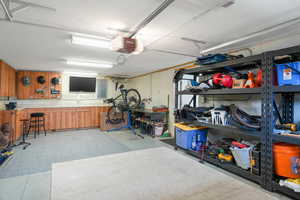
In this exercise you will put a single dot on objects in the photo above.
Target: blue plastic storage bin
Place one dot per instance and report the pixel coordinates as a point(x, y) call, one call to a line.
point(184, 137)
point(287, 73)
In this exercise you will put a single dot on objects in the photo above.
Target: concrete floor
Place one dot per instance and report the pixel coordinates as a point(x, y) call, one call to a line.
point(150, 174)
point(33, 181)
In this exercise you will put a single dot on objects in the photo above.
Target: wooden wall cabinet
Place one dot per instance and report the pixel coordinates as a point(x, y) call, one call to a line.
point(7, 80)
point(69, 118)
point(36, 90)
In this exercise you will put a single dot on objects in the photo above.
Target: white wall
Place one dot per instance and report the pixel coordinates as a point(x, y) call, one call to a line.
point(158, 86)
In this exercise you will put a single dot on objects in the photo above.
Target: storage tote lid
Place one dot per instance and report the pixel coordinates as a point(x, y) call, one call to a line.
point(186, 127)
point(285, 147)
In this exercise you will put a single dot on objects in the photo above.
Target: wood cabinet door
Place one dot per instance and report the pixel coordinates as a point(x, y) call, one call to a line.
point(7, 80)
point(69, 118)
point(55, 119)
point(83, 117)
point(4, 79)
point(12, 83)
point(9, 116)
point(95, 116)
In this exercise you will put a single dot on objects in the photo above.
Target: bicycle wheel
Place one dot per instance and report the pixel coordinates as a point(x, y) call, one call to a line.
point(133, 98)
point(115, 115)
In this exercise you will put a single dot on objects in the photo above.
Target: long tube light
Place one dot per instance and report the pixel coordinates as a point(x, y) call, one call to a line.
point(255, 34)
point(97, 64)
point(88, 41)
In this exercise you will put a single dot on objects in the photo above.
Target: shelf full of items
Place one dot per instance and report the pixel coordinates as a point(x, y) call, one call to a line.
point(249, 150)
point(285, 136)
point(234, 76)
point(152, 122)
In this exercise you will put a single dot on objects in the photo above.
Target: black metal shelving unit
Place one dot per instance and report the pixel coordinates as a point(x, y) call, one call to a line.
point(222, 91)
point(226, 166)
point(267, 93)
point(229, 129)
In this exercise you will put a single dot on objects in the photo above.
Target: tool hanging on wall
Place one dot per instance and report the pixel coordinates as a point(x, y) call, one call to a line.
point(41, 79)
point(26, 80)
point(55, 81)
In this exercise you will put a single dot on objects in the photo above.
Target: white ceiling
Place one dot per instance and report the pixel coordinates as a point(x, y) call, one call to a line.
point(41, 48)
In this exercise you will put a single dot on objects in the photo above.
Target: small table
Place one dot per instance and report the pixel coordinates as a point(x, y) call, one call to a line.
point(24, 134)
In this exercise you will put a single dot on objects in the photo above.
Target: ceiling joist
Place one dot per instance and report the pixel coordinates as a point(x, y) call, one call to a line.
point(21, 5)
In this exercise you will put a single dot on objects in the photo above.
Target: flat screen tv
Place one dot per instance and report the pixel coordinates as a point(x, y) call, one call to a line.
point(82, 84)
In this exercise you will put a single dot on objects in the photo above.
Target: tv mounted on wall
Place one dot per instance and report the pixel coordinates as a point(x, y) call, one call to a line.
point(82, 84)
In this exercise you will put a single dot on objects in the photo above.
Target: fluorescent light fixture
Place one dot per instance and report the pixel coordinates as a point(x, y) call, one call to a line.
point(97, 64)
point(90, 41)
point(264, 31)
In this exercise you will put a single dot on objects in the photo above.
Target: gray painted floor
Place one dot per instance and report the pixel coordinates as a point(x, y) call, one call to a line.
point(27, 175)
point(27, 187)
point(70, 145)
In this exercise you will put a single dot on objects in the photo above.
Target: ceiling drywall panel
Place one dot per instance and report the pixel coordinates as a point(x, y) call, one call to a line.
point(44, 49)
point(225, 24)
point(242, 18)
point(90, 15)
point(36, 48)
point(174, 18)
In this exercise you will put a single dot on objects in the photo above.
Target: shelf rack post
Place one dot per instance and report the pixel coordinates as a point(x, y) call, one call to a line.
point(176, 95)
point(195, 96)
point(175, 107)
point(287, 102)
point(267, 123)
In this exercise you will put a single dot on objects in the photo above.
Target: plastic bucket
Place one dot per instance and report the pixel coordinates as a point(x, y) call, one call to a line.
point(159, 130)
point(287, 160)
point(242, 156)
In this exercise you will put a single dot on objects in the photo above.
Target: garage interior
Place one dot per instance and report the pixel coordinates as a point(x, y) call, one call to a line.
point(149, 99)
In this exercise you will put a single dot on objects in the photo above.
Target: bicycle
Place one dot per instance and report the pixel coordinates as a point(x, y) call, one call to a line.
point(128, 99)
